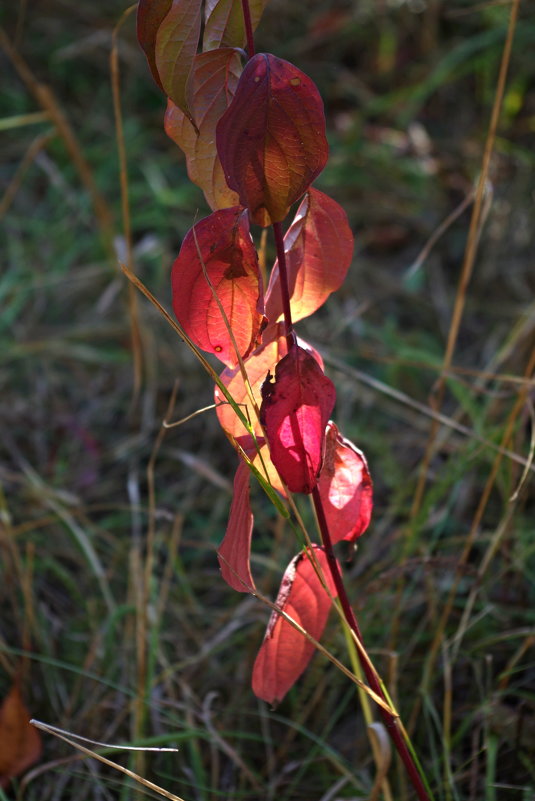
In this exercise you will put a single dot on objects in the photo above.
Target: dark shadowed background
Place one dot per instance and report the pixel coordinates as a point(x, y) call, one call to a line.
point(408, 87)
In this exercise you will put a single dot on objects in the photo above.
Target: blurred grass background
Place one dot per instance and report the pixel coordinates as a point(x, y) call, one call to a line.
point(119, 649)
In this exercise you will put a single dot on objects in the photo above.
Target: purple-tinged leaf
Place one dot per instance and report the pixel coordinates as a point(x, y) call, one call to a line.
point(271, 139)
point(177, 39)
point(150, 15)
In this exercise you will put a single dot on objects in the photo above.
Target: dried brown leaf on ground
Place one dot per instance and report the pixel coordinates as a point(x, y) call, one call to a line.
point(20, 743)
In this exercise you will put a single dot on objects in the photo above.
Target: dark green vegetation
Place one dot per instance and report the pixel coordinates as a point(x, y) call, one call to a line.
point(409, 89)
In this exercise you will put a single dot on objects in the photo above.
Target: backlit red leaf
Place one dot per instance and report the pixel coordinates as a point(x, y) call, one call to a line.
point(177, 39)
point(150, 15)
point(235, 551)
point(257, 366)
point(295, 409)
point(211, 86)
point(224, 22)
point(218, 251)
point(271, 140)
point(319, 249)
point(20, 743)
point(285, 652)
point(345, 487)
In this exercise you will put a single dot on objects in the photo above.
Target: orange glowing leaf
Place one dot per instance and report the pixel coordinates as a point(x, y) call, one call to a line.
point(319, 249)
point(218, 262)
point(285, 652)
point(211, 86)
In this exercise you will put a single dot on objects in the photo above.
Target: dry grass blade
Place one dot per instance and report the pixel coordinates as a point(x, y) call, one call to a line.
point(11, 190)
point(470, 253)
point(57, 730)
point(46, 98)
point(383, 748)
point(437, 417)
point(133, 310)
point(144, 782)
point(470, 540)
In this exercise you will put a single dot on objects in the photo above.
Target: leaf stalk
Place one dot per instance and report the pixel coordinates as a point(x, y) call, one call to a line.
point(248, 28)
point(285, 292)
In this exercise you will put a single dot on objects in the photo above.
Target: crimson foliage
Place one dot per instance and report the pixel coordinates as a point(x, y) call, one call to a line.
point(254, 141)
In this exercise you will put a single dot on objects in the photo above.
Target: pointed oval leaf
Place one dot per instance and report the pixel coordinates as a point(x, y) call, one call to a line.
point(257, 366)
point(234, 553)
point(345, 487)
point(176, 44)
point(213, 80)
point(319, 249)
point(262, 361)
point(20, 743)
point(295, 409)
point(223, 22)
point(219, 251)
point(150, 15)
point(285, 652)
point(271, 140)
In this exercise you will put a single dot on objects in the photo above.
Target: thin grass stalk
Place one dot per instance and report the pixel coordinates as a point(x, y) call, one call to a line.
point(133, 307)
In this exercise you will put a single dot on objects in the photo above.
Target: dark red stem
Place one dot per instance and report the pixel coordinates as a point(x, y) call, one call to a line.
point(283, 276)
point(248, 27)
point(389, 720)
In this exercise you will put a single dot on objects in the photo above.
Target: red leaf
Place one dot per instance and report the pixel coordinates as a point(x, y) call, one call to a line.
point(177, 39)
point(150, 15)
point(345, 487)
point(234, 553)
point(222, 245)
point(295, 410)
point(211, 86)
point(285, 652)
point(271, 140)
point(224, 22)
point(20, 743)
point(319, 249)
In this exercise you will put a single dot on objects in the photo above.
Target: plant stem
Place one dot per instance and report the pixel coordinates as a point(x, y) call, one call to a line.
point(248, 27)
point(283, 276)
point(390, 720)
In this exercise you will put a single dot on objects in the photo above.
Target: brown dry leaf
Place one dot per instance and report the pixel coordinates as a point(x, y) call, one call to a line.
point(20, 743)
